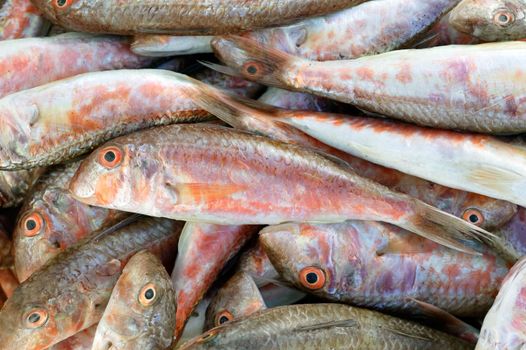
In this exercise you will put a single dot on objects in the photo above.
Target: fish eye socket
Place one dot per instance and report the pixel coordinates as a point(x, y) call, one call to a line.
point(224, 317)
point(148, 294)
point(473, 216)
point(312, 277)
point(36, 318)
point(252, 68)
point(32, 224)
point(62, 4)
point(503, 18)
point(110, 157)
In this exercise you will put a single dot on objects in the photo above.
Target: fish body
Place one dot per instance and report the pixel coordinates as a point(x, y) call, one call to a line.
point(238, 297)
point(14, 185)
point(295, 100)
point(27, 63)
point(51, 220)
point(141, 310)
point(376, 265)
point(249, 180)
point(71, 291)
point(20, 19)
point(503, 324)
point(204, 249)
point(444, 33)
point(167, 45)
point(323, 326)
point(513, 236)
point(58, 121)
point(491, 20)
point(463, 87)
point(80, 341)
point(201, 17)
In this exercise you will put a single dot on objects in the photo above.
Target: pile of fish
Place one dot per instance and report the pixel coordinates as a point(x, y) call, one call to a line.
point(293, 174)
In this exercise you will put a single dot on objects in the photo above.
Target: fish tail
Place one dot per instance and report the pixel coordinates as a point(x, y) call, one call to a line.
point(254, 61)
point(445, 229)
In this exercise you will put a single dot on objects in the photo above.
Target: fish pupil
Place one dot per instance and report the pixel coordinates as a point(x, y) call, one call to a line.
point(149, 294)
point(473, 218)
point(312, 277)
point(34, 318)
point(503, 18)
point(223, 319)
point(110, 156)
point(252, 69)
point(61, 2)
point(31, 225)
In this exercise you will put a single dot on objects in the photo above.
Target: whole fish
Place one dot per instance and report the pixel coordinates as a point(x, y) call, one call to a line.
point(51, 220)
point(204, 250)
point(503, 327)
point(466, 87)
point(238, 297)
point(323, 326)
point(61, 120)
point(377, 265)
point(15, 184)
point(255, 117)
point(491, 20)
point(444, 33)
point(80, 341)
point(168, 45)
point(249, 180)
point(71, 291)
point(27, 63)
point(20, 19)
point(141, 310)
point(199, 17)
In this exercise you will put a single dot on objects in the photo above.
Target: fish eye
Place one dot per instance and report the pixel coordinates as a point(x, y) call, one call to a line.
point(503, 18)
point(312, 277)
point(110, 157)
point(148, 294)
point(62, 4)
point(253, 69)
point(224, 317)
point(36, 318)
point(473, 216)
point(32, 224)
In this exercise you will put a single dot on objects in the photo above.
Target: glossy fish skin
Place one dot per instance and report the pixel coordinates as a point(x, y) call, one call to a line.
point(467, 87)
point(168, 45)
point(80, 341)
point(295, 100)
point(376, 265)
point(503, 326)
point(195, 323)
point(323, 326)
point(61, 120)
point(513, 236)
point(70, 293)
point(250, 180)
point(236, 85)
point(443, 33)
point(201, 17)
point(204, 249)
point(491, 20)
point(284, 125)
point(20, 19)
point(62, 221)
point(238, 297)
point(131, 320)
point(26, 63)
point(15, 184)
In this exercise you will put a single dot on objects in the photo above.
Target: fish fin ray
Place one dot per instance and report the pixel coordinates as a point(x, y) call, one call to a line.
point(494, 177)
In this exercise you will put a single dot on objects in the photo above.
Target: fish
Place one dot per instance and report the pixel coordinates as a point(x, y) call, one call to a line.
point(296, 100)
point(366, 29)
point(14, 185)
point(20, 19)
point(249, 180)
point(490, 20)
point(70, 293)
point(51, 220)
point(380, 266)
point(513, 236)
point(462, 91)
point(30, 62)
point(238, 297)
point(443, 33)
point(323, 326)
point(204, 249)
point(8, 282)
point(195, 324)
point(80, 341)
point(503, 324)
point(291, 127)
point(202, 17)
point(141, 310)
point(6, 259)
point(167, 45)
point(59, 121)
point(236, 85)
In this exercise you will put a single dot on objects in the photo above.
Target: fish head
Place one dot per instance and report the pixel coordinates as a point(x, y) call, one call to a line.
point(256, 263)
point(490, 20)
point(34, 319)
point(238, 297)
point(314, 258)
point(141, 311)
